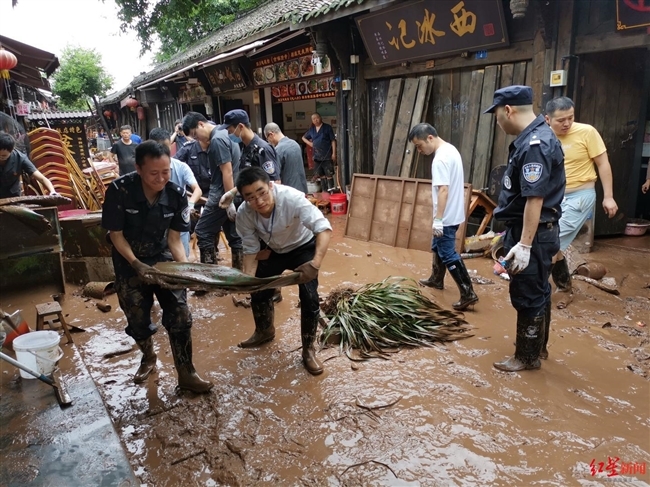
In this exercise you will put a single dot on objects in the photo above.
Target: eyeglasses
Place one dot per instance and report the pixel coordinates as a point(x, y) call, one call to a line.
point(259, 196)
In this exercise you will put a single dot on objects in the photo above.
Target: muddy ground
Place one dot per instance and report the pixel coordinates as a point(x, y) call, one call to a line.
point(457, 421)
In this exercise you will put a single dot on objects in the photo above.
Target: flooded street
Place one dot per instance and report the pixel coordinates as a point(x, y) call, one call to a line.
point(437, 416)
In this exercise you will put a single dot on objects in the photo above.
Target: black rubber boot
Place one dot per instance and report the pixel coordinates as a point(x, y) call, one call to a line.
point(547, 330)
point(323, 184)
point(468, 297)
point(308, 329)
point(208, 256)
point(530, 337)
point(188, 379)
point(148, 362)
point(437, 278)
point(263, 314)
point(238, 259)
point(562, 279)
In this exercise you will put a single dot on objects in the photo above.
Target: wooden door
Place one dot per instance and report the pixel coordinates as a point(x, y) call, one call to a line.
point(611, 86)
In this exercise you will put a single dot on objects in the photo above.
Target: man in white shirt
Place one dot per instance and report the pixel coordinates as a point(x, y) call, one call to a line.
point(182, 175)
point(448, 212)
point(280, 230)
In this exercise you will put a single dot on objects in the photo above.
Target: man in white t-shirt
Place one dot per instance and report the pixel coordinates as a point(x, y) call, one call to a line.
point(448, 212)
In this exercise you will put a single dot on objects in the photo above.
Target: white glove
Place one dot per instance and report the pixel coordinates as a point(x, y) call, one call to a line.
point(226, 199)
point(520, 257)
point(232, 212)
point(190, 205)
point(437, 227)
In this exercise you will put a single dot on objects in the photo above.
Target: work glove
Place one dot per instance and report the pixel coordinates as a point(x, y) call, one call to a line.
point(145, 272)
point(520, 257)
point(308, 272)
point(226, 199)
point(437, 227)
point(232, 212)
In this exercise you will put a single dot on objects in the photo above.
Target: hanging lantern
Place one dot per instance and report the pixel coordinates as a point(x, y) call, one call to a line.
point(131, 103)
point(108, 113)
point(140, 111)
point(7, 61)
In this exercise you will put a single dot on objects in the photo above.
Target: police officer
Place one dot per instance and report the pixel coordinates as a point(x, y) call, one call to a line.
point(224, 156)
point(529, 204)
point(140, 208)
point(194, 156)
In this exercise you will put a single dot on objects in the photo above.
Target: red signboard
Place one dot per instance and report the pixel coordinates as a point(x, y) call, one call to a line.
point(304, 90)
point(288, 66)
point(426, 29)
point(632, 14)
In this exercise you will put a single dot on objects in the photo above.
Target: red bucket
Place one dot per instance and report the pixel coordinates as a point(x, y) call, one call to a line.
point(339, 204)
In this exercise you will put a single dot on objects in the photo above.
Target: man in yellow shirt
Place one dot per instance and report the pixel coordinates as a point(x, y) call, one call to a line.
point(584, 152)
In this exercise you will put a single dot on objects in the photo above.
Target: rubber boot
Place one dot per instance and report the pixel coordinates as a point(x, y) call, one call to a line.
point(437, 278)
point(547, 330)
point(530, 337)
point(277, 295)
point(331, 185)
point(208, 256)
point(562, 279)
point(263, 314)
point(468, 297)
point(324, 186)
point(188, 379)
point(238, 259)
point(308, 329)
point(148, 362)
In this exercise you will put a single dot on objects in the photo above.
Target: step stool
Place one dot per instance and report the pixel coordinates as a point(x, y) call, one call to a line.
point(52, 308)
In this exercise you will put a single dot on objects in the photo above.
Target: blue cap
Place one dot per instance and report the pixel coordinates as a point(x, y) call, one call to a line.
point(515, 95)
point(235, 117)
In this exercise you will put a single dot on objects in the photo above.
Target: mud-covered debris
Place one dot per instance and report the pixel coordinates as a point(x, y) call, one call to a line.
point(369, 254)
point(103, 307)
point(607, 325)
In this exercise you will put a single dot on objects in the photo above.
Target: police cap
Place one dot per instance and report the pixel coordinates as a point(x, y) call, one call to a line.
point(234, 117)
point(515, 95)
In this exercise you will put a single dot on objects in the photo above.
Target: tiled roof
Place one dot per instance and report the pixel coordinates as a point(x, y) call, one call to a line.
point(59, 115)
point(276, 13)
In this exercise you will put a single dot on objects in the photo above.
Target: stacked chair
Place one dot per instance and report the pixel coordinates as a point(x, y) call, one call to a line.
point(52, 158)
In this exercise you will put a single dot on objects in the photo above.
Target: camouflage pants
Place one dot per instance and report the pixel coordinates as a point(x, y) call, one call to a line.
point(136, 300)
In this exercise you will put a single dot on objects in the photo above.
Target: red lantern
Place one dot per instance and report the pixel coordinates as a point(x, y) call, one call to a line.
point(108, 113)
point(131, 103)
point(7, 61)
point(140, 111)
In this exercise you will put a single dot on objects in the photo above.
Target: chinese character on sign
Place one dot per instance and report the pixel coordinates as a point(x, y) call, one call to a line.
point(426, 32)
point(465, 22)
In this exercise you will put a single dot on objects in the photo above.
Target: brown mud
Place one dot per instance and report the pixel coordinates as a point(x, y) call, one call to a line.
point(435, 416)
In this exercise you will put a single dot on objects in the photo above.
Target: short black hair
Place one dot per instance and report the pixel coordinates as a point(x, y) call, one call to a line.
point(126, 127)
point(421, 131)
point(152, 149)
point(159, 134)
point(191, 121)
point(7, 142)
point(251, 175)
point(560, 103)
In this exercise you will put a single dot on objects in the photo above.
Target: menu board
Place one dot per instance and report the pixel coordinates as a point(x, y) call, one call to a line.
point(73, 136)
point(304, 90)
point(191, 94)
point(290, 65)
point(225, 77)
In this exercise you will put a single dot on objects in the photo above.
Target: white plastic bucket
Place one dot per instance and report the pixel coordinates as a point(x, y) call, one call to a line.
point(38, 350)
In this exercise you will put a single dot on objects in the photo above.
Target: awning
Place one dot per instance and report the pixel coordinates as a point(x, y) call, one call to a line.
point(167, 76)
point(34, 65)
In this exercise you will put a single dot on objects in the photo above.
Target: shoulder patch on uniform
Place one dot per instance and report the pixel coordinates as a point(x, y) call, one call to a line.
point(507, 183)
point(534, 141)
point(186, 214)
point(532, 172)
point(269, 167)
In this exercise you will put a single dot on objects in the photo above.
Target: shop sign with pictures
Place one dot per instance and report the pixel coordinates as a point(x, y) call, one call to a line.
point(225, 77)
point(293, 75)
point(426, 29)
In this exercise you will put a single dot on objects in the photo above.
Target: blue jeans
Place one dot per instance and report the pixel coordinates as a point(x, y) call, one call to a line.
point(185, 238)
point(577, 208)
point(445, 246)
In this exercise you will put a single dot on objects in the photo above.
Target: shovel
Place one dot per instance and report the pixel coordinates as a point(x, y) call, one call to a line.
point(60, 390)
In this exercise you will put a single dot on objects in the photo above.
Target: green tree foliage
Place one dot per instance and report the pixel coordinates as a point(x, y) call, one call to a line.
point(79, 77)
point(177, 24)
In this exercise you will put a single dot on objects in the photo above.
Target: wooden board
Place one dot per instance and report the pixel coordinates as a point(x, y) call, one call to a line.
point(419, 115)
point(456, 131)
point(402, 127)
point(500, 145)
point(483, 147)
point(471, 123)
point(388, 125)
point(395, 212)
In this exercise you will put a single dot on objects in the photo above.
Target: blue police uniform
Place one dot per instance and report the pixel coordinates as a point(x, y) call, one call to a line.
point(535, 169)
point(260, 153)
point(194, 156)
point(144, 227)
point(10, 173)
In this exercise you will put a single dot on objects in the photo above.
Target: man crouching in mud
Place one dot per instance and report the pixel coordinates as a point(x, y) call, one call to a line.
point(145, 214)
point(281, 230)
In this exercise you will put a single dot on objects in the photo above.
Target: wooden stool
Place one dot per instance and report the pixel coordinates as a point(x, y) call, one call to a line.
point(481, 199)
point(52, 308)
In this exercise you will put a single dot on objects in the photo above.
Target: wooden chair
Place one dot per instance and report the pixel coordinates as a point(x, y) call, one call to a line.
point(53, 311)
